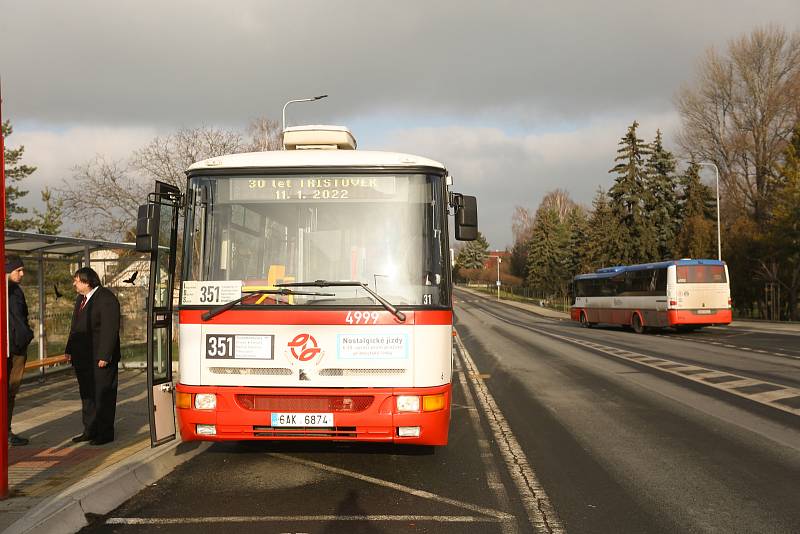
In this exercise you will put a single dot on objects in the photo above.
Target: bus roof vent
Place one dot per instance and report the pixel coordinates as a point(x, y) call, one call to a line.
point(318, 137)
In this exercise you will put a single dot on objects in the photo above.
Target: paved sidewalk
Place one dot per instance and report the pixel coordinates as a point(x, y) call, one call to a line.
point(49, 414)
point(51, 479)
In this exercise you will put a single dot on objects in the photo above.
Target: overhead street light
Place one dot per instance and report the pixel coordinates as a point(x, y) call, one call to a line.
point(312, 99)
point(716, 174)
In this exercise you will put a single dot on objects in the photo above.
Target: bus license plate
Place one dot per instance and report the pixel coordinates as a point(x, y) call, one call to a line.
point(704, 312)
point(319, 420)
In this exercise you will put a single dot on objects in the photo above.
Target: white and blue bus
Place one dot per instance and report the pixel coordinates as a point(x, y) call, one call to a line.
point(685, 294)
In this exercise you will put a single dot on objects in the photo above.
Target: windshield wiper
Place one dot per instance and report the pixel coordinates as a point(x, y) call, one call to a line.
point(350, 283)
point(213, 312)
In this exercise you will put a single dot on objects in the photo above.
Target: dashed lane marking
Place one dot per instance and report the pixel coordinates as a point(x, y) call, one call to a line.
point(728, 345)
point(714, 378)
point(725, 381)
point(541, 514)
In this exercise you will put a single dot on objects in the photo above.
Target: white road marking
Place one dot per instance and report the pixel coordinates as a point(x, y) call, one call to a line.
point(393, 485)
point(541, 513)
point(489, 464)
point(649, 361)
point(729, 386)
point(771, 396)
point(282, 518)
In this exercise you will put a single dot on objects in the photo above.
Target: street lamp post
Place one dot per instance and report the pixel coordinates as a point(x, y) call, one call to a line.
point(499, 261)
point(312, 99)
point(716, 174)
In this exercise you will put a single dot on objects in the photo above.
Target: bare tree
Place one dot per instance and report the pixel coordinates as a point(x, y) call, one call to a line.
point(521, 223)
point(265, 134)
point(102, 198)
point(167, 158)
point(559, 201)
point(740, 112)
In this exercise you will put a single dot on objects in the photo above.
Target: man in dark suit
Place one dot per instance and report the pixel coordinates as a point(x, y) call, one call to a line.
point(94, 350)
point(19, 337)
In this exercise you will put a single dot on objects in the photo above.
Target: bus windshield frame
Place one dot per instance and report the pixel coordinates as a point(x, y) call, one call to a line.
point(387, 230)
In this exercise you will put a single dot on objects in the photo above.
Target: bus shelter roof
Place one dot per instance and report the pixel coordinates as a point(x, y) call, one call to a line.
point(28, 243)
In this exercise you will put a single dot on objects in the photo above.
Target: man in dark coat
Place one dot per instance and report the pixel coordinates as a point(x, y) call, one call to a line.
point(19, 337)
point(94, 350)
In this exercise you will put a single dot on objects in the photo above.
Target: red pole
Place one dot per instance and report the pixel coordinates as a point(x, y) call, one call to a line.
point(3, 319)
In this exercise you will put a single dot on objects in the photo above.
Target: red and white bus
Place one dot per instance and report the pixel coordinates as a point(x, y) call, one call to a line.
point(684, 294)
point(315, 294)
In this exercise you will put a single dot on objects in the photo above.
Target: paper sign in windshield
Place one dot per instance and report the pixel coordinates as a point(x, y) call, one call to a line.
point(210, 293)
point(372, 346)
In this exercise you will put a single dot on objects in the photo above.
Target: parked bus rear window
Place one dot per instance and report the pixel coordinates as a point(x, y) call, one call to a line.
point(701, 274)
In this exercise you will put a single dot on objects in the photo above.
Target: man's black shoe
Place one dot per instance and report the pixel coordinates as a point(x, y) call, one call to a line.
point(101, 441)
point(17, 441)
point(82, 437)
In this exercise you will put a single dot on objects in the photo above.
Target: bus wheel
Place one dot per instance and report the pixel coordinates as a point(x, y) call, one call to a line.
point(584, 321)
point(636, 324)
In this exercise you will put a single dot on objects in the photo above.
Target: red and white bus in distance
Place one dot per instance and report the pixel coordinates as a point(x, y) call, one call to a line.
point(684, 294)
point(315, 299)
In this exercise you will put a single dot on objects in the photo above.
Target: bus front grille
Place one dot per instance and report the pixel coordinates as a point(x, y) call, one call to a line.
point(261, 371)
point(305, 403)
point(335, 432)
point(361, 372)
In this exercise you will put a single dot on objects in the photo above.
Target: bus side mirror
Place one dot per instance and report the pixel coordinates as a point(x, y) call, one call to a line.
point(466, 218)
point(145, 228)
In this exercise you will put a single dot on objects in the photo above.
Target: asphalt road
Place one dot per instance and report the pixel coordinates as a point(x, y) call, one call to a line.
point(555, 429)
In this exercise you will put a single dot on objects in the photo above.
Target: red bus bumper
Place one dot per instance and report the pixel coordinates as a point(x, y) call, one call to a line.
point(680, 317)
point(359, 414)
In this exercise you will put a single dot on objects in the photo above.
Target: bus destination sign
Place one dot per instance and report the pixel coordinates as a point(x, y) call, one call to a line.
point(320, 189)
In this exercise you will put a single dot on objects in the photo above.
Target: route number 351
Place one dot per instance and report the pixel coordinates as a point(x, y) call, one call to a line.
point(358, 317)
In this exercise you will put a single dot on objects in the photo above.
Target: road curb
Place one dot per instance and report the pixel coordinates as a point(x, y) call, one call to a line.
point(65, 513)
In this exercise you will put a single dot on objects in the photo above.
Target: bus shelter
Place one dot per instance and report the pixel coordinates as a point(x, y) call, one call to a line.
point(69, 253)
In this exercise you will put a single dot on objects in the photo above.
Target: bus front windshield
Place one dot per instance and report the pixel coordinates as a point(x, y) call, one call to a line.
point(385, 231)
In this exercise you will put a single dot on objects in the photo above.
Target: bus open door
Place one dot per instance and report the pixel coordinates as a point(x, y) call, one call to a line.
point(156, 233)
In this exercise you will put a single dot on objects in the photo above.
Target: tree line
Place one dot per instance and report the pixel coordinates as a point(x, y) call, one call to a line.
point(741, 114)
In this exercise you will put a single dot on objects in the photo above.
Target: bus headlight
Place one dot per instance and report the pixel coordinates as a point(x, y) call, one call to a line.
point(407, 403)
point(205, 401)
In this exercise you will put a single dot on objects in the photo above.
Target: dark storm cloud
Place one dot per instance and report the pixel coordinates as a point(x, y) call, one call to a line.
point(210, 62)
point(517, 98)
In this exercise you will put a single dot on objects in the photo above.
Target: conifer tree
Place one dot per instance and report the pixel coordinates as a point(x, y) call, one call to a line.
point(49, 222)
point(629, 198)
point(15, 173)
point(577, 224)
point(473, 255)
point(603, 234)
point(547, 254)
point(662, 197)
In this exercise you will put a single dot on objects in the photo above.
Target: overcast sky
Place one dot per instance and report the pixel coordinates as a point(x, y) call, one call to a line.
point(516, 98)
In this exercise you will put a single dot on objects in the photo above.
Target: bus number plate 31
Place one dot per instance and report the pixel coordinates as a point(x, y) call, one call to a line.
point(316, 420)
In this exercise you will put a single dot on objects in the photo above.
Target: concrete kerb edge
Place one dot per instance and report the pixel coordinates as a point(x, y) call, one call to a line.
point(65, 513)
